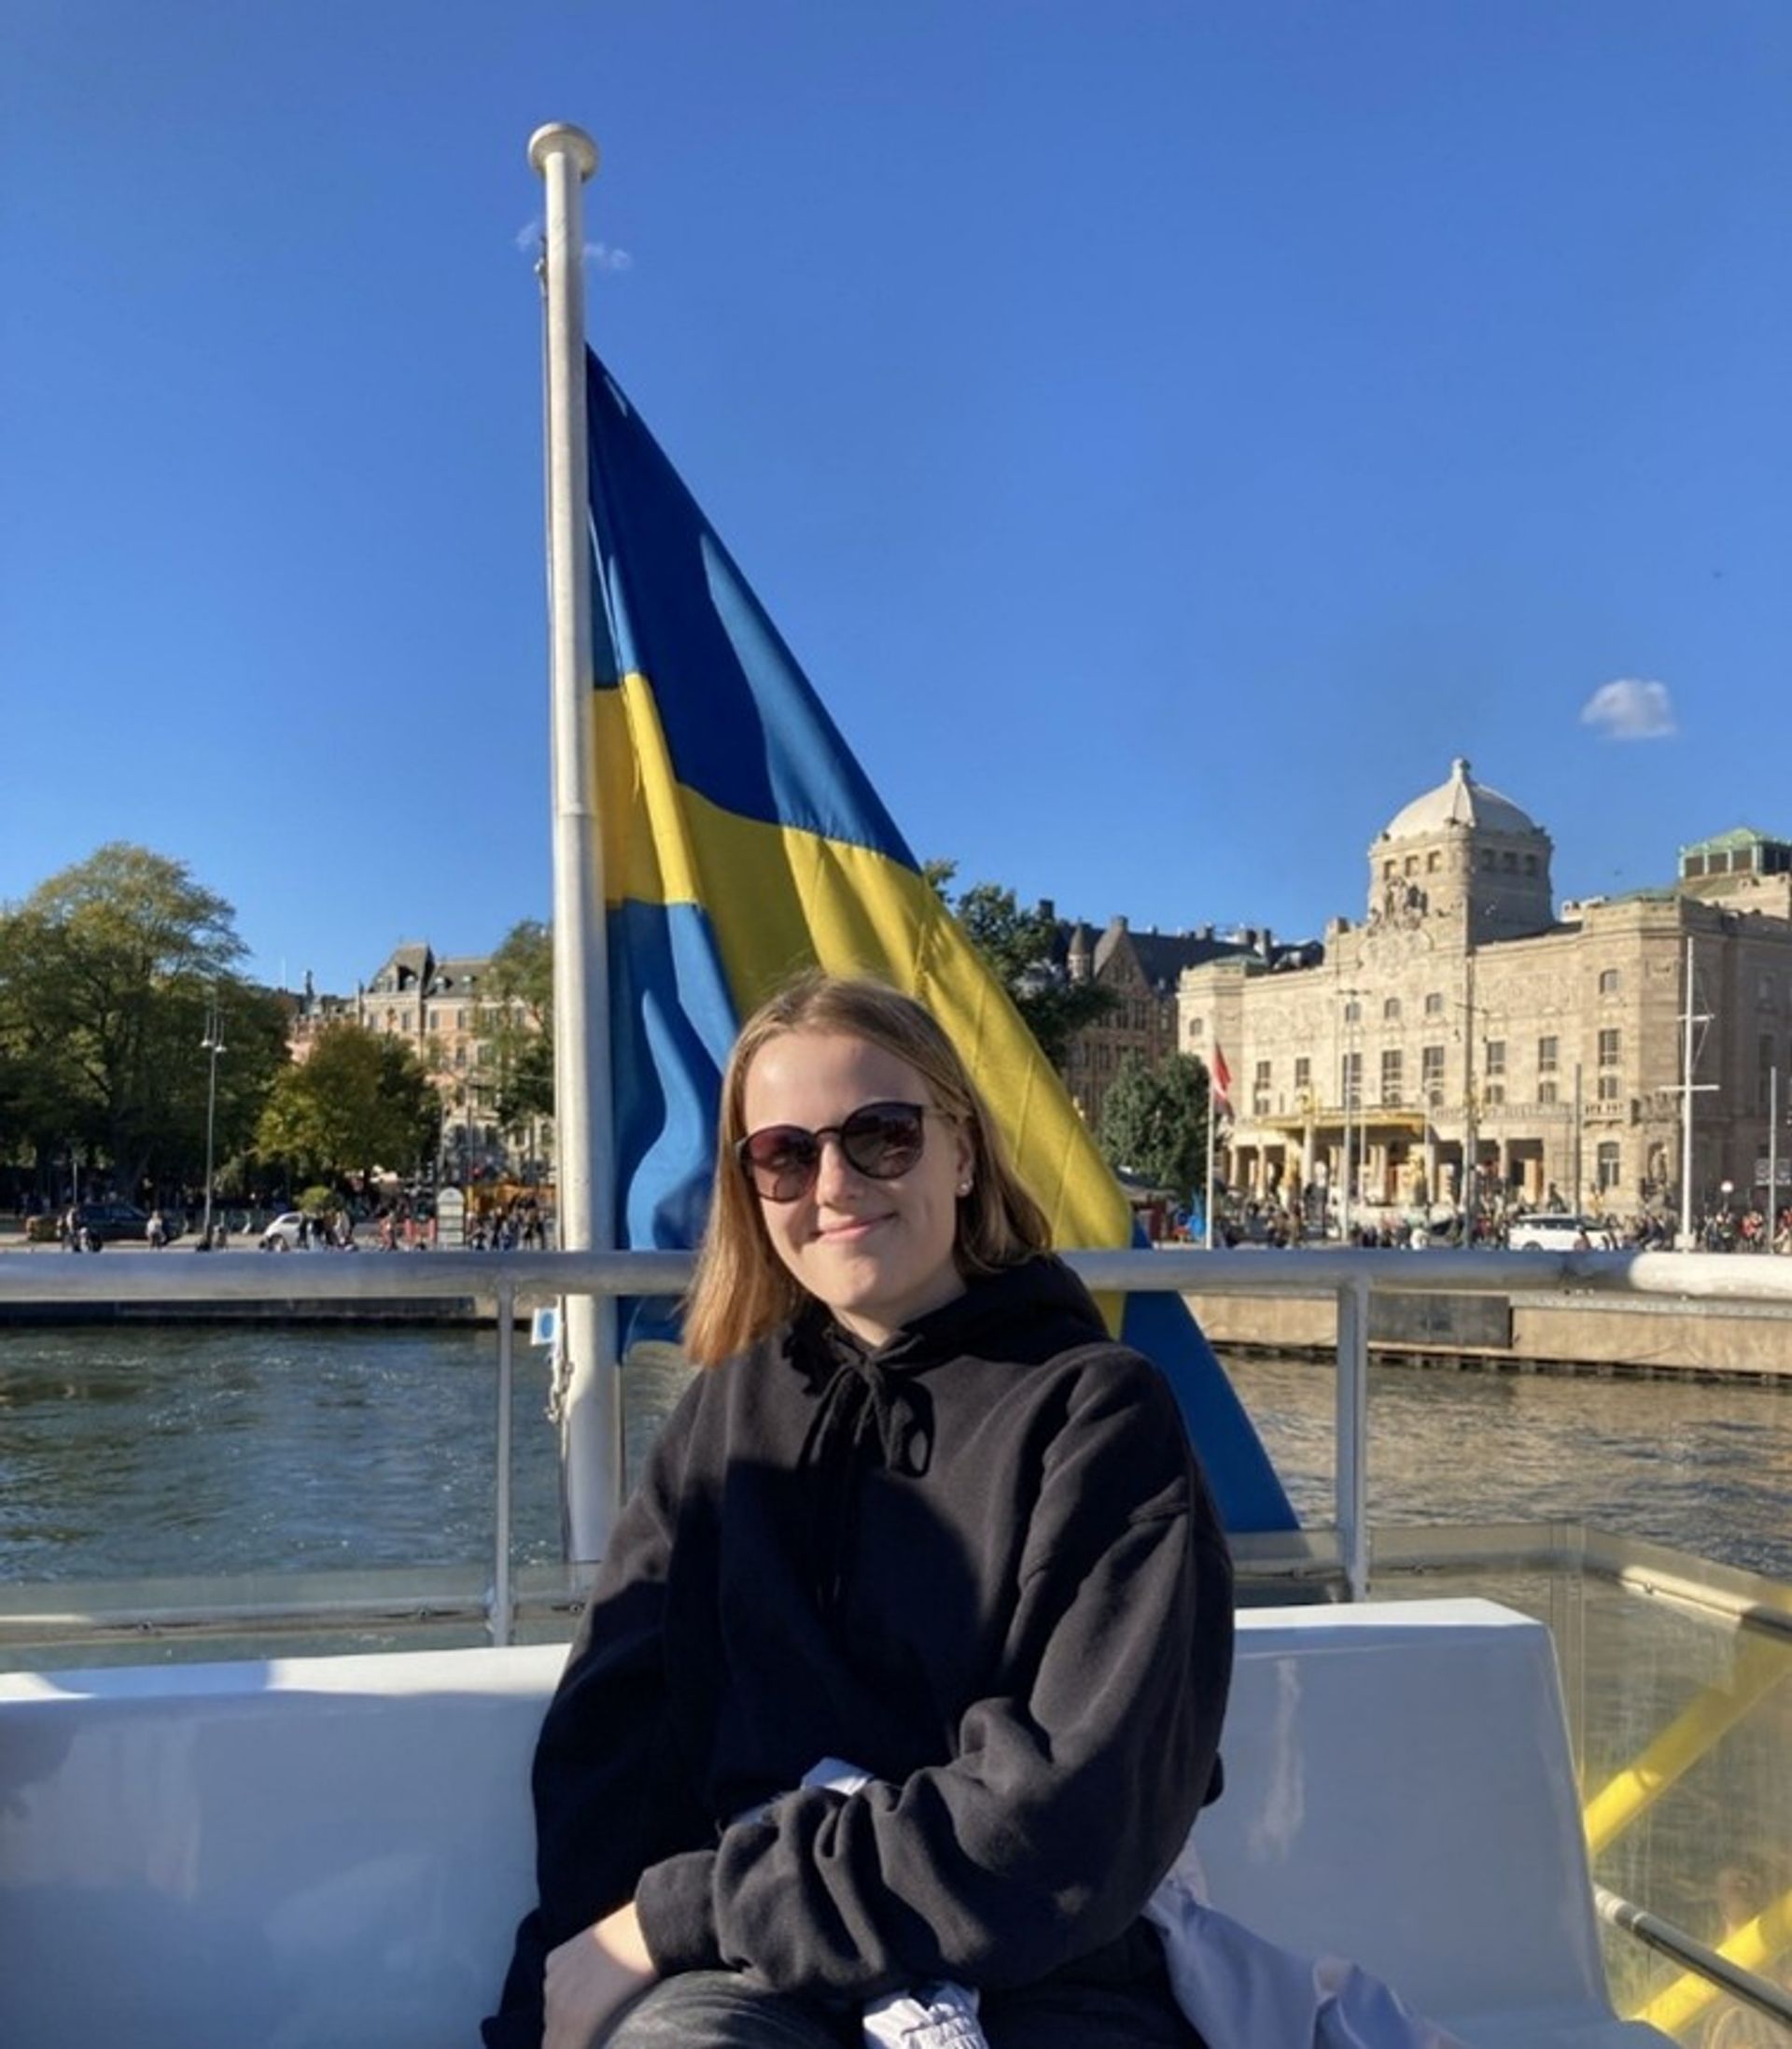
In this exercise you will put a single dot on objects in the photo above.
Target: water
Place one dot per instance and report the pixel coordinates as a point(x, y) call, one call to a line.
point(128, 1452)
point(1703, 1465)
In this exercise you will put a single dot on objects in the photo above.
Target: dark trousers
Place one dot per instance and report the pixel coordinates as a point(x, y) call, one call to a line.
point(724, 2010)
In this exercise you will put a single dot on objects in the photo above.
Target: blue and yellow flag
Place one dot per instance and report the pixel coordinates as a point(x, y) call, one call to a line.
point(742, 842)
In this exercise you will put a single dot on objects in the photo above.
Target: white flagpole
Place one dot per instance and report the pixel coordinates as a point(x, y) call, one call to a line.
point(591, 1438)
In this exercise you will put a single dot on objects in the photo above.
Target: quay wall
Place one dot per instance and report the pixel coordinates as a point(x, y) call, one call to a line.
point(1547, 1333)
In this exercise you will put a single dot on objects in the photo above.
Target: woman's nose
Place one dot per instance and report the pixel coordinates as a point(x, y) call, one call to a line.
point(833, 1171)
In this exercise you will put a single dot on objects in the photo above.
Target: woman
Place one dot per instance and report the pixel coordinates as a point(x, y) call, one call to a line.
point(919, 1514)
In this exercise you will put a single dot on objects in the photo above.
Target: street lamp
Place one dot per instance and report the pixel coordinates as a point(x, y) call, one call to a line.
point(212, 1042)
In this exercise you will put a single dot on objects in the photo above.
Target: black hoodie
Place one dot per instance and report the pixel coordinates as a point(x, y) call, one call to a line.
point(979, 1563)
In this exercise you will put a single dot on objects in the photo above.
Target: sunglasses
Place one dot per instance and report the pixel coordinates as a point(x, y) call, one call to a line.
point(880, 1140)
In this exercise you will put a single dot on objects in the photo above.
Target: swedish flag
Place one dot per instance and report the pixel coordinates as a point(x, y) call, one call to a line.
point(742, 842)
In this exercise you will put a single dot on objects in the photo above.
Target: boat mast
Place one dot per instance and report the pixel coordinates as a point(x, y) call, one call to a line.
point(587, 1382)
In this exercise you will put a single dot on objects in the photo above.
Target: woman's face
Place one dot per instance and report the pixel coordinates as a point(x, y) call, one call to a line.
point(877, 1253)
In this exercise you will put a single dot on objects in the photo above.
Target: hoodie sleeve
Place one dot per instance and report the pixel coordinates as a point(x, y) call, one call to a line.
point(609, 1797)
point(1075, 1779)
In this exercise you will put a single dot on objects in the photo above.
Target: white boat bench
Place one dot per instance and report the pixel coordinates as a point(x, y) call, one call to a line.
point(327, 1853)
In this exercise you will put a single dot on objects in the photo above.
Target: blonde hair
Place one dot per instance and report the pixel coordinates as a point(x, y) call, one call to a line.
point(742, 1289)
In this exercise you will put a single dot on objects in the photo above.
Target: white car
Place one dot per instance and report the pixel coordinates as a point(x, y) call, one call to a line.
point(1556, 1231)
point(286, 1233)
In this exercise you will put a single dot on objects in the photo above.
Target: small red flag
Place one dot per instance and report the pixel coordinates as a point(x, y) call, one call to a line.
point(1220, 1080)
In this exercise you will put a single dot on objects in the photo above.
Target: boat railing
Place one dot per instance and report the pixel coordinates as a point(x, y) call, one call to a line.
point(1673, 1667)
point(1336, 1557)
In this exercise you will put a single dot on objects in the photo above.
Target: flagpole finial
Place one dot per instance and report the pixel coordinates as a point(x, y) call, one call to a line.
point(558, 137)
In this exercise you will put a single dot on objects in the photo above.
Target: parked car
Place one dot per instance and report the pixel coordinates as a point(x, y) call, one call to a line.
point(286, 1232)
point(1556, 1232)
point(116, 1223)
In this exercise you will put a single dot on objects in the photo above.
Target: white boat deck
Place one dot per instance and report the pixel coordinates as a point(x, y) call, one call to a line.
point(325, 1853)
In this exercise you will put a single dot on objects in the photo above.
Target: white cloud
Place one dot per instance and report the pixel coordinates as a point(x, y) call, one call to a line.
point(1630, 710)
point(601, 256)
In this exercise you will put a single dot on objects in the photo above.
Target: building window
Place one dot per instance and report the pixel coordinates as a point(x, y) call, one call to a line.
point(1493, 1071)
point(1611, 1046)
point(1610, 979)
point(1487, 857)
point(1303, 1076)
point(1391, 1068)
point(1352, 1012)
point(1607, 1087)
point(435, 1018)
point(1350, 1073)
point(391, 1021)
point(1765, 994)
point(1435, 1005)
point(1530, 864)
point(1388, 870)
point(1431, 1073)
point(1412, 863)
point(460, 1055)
point(1390, 1011)
point(1549, 1060)
point(1196, 1029)
point(1609, 1161)
point(1434, 861)
point(1509, 862)
point(1260, 1091)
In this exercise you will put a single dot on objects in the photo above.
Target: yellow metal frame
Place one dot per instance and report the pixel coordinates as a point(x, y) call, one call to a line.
point(1628, 1794)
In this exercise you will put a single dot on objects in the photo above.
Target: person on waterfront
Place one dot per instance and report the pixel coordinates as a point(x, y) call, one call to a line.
point(919, 1516)
point(156, 1230)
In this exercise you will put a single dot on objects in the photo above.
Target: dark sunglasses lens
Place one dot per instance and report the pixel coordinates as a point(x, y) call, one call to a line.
point(884, 1139)
point(782, 1160)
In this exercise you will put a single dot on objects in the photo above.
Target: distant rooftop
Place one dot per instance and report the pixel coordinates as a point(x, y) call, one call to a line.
point(1743, 850)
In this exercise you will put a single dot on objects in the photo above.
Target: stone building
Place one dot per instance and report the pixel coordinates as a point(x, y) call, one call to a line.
point(1463, 1023)
point(442, 1006)
point(1142, 969)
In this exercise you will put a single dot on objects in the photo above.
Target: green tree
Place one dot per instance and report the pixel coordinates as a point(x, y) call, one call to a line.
point(518, 1024)
point(361, 1101)
point(1154, 1121)
point(1018, 946)
point(107, 974)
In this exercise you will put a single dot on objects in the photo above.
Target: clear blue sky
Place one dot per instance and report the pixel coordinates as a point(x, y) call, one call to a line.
point(1167, 432)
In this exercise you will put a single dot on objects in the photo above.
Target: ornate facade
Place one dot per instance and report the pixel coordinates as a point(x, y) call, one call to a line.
point(442, 1006)
point(1142, 969)
point(1463, 1029)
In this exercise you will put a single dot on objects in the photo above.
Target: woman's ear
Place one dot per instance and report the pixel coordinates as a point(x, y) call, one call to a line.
point(965, 1158)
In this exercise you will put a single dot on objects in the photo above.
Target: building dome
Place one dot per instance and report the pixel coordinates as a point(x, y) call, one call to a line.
point(1462, 803)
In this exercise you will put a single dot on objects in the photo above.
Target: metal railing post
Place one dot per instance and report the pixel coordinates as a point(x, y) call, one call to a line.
point(1352, 1435)
point(502, 1621)
point(1353, 1426)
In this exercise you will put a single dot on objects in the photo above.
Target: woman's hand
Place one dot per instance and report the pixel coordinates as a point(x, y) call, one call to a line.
point(590, 1977)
